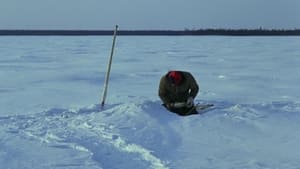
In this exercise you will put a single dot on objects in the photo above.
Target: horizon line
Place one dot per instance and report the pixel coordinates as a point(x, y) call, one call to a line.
point(194, 32)
point(185, 29)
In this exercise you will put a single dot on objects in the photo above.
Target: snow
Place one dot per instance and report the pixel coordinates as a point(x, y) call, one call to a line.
point(51, 87)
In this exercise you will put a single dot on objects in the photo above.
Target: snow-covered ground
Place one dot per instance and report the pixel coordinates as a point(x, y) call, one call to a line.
point(51, 88)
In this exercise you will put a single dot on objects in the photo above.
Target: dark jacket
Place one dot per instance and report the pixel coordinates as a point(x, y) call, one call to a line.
point(170, 93)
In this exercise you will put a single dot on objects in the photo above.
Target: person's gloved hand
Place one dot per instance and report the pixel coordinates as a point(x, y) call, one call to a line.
point(190, 102)
point(170, 105)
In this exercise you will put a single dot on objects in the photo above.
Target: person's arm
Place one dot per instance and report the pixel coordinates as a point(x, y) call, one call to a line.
point(193, 86)
point(163, 92)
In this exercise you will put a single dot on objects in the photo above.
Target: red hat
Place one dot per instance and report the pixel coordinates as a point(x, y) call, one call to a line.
point(175, 77)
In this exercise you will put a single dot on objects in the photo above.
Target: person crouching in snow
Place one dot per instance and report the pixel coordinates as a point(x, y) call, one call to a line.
point(177, 90)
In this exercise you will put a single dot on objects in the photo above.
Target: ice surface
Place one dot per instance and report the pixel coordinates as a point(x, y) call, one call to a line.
point(51, 86)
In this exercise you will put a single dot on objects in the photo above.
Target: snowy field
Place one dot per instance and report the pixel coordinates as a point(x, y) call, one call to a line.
point(51, 87)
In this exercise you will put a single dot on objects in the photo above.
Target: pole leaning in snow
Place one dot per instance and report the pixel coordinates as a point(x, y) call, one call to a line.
point(108, 69)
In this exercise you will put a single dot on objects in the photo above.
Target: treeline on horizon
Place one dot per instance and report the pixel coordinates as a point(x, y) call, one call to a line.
point(228, 32)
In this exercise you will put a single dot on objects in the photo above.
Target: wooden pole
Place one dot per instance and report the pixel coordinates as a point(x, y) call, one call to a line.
point(108, 69)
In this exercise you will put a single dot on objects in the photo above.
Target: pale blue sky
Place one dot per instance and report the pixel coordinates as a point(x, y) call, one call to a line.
point(149, 14)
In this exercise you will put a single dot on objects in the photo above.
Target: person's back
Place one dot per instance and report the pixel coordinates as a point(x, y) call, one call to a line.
point(177, 90)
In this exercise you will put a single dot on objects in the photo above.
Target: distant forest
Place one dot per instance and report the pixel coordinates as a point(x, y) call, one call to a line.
point(224, 32)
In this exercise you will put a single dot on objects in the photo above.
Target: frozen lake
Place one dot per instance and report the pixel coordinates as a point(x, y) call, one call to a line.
point(42, 72)
point(253, 81)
